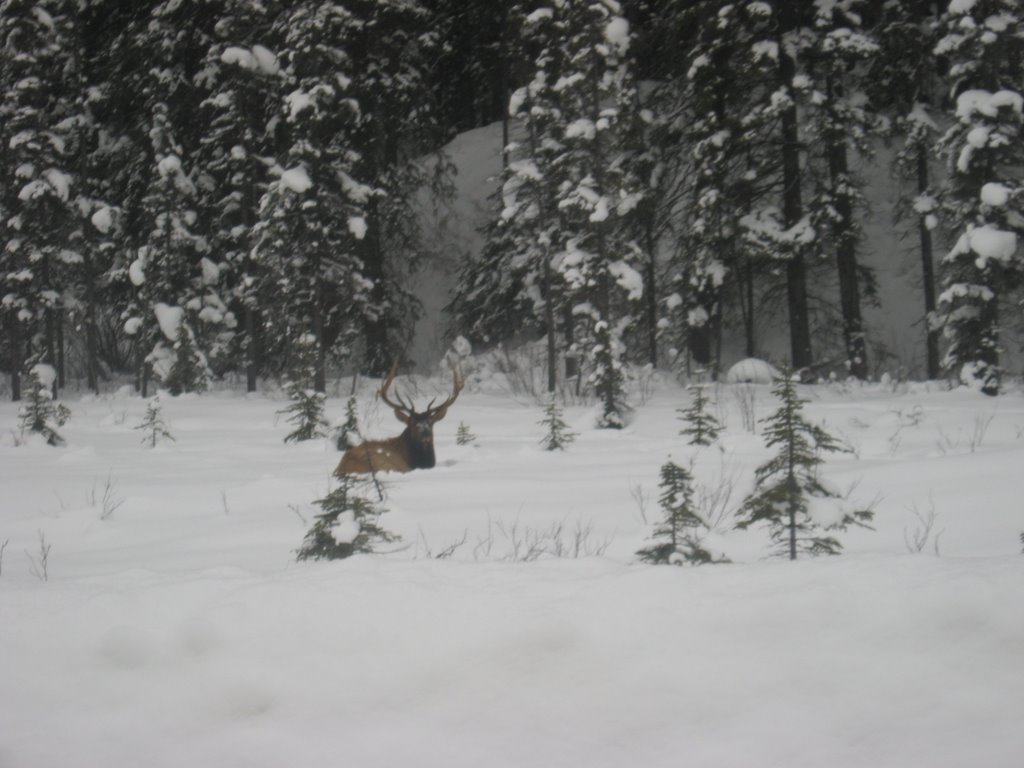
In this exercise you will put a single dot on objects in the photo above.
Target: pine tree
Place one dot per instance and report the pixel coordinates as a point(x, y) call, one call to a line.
point(463, 436)
point(348, 434)
point(40, 414)
point(313, 217)
point(558, 433)
point(306, 411)
point(701, 426)
point(188, 370)
point(676, 537)
point(984, 41)
point(348, 525)
point(37, 195)
point(153, 426)
point(787, 483)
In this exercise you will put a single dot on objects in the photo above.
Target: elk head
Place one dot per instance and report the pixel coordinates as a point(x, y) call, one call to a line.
point(414, 448)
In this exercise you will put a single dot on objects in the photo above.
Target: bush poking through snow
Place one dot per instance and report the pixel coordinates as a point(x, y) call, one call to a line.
point(153, 426)
point(558, 434)
point(463, 436)
point(701, 426)
point(40, 414)
point(787, 483)
point(189, 372)
point(676, 539)
point(307, 409)
point(348, 434)
point(348, 524)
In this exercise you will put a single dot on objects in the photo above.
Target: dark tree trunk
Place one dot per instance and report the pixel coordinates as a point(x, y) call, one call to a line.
point(60, 361)
point(549, 321)
point(252, 366)
point(927, 271)
point(16, 360)
point(846, 261)
point(792, 211)
point(320, 373)
point(651, 291)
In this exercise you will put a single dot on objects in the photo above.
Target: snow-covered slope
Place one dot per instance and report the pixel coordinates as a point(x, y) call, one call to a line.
point(181, 631)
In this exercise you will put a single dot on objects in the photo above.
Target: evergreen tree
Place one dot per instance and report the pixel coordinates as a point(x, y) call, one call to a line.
point(37, 214)
point(40, 413)
point(312, 217)
point(306, 411)
point(188, 370)
point(984, 42)
point(349, 524)
point(676, 540)
point(701, 426)
point(597, 192)
point(348, 434)
point(787, 483)
point(463, 436)
point(558, 434)
point(153, 426)
point(242, 78)
point(843, 119)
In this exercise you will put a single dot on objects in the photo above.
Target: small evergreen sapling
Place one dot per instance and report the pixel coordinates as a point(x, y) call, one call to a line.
point(306, 411)
point(676, 537)
point(40, 414)
point(153, 426)
point(786, 483)
point(348, 433)
point(348, 525)
point(701, 426)
point(463, 436)
point(558, 433)
point(189, 372)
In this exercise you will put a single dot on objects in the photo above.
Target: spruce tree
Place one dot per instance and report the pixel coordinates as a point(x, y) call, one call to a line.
point(676, 540)
point(349, 524)
point(558, 434)
point(306, 411)
point(786, 484)
point(984, 41)
point(40, 413)
point(153, 426)
point(701, 426)
point(463, 436)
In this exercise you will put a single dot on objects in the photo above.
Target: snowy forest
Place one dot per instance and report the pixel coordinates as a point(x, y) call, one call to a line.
point(190, 187)
point(503, 383)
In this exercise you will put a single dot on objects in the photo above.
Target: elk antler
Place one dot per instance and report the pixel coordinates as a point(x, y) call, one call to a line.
point(402, 411)
point(438, 413)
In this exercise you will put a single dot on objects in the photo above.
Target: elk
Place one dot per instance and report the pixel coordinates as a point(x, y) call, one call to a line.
point(413, 449)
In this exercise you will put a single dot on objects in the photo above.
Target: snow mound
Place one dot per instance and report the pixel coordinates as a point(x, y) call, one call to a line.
point(752, 371)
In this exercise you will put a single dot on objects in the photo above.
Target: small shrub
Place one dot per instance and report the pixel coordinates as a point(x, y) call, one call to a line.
point(558, 434)
point(40, 414)
point(700, 426)
point(676, 540)
point(463, 436)
point(348, 525)
point(153, 426)
point(306, 411)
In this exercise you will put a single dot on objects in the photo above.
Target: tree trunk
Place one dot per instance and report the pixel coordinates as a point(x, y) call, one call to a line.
point(60, 361)
point(252, 366)
point(549, 321)
point(320, 374)
point(792, 211)
point(16, 361)
point(651, 290)
point(927, 271)
point(846, 260)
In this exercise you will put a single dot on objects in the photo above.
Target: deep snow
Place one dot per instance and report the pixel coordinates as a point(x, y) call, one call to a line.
point(181, 631)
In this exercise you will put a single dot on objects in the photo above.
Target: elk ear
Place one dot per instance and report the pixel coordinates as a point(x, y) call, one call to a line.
point(402, 416)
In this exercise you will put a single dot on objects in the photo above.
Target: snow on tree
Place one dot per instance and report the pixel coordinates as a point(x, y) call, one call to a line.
point(306, 411)
point(348, 525)
point(40, 414)
point(242, 78)
point(676, 537)
point(153, 426)
point(841, 118)
point(789, 496)
point(37, 198)
point(984, 200)
point(597, 193)
point(313, 216)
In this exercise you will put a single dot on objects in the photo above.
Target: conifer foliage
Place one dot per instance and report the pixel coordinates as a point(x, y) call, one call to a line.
point(154, 428)
point(349, 524)
point(701, 426)
point(306, 411)
point(558, 434)
point(676, 539)
point(40, 414)
point(788, 484)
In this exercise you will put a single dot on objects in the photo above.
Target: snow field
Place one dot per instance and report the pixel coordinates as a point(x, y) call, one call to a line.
point(180, 631)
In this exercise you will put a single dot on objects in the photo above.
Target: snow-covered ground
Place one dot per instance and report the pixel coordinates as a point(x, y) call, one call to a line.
point(177, 629)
